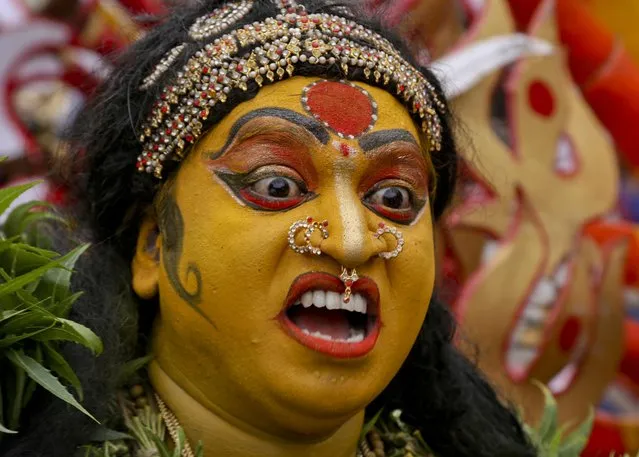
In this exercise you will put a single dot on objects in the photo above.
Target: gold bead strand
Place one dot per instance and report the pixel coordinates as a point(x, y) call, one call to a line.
point(172, 425)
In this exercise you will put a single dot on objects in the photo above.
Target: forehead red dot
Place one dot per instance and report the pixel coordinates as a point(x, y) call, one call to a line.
point(344, 108)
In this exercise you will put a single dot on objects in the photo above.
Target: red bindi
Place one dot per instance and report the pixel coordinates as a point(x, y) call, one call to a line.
point(341, 106)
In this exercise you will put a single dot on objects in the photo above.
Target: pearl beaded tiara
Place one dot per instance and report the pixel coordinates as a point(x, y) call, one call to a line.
point(278, 45)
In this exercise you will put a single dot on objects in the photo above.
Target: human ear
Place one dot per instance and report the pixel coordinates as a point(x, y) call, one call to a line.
point(145, 266)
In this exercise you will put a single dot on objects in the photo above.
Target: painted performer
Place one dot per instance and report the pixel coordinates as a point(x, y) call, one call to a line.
point(260, 185)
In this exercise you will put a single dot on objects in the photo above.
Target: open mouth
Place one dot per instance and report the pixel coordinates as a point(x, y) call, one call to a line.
point(316, 315)
point(528, 338)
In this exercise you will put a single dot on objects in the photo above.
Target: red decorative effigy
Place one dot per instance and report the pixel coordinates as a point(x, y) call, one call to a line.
point(600, 66)
point(609, 80)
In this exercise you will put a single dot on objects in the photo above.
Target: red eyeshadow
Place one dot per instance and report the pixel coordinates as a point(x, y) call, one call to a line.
point(260, 151)
point(275, 204)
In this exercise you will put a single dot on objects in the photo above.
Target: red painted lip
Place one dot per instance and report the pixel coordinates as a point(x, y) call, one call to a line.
point(324, 281)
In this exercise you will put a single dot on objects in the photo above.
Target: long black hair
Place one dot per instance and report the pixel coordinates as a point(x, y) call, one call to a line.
point(437, 388)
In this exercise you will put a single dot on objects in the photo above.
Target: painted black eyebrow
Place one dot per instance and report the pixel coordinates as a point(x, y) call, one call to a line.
point(374, 140)
point(314, 127)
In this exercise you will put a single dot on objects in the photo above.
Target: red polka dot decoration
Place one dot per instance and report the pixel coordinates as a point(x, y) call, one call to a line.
point(541, 98)
point(343, 107)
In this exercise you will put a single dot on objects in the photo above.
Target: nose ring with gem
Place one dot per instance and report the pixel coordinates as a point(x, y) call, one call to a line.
point(309, 226)
point(385, 229)
point(348, 278)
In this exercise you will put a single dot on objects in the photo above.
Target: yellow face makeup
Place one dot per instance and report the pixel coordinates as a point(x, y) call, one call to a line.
point(235, 298)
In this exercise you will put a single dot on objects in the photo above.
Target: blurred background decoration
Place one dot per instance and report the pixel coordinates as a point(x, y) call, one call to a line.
point(53, 54)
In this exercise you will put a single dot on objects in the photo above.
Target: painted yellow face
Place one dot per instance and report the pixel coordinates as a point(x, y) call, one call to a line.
point(230, 329)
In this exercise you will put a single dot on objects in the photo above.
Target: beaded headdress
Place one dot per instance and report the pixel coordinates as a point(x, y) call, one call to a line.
point(279, 45)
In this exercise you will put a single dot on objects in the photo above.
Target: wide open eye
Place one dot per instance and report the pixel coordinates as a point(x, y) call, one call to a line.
point(274, 193)
point(393, 202)
point(392, 197)
point(276, 187)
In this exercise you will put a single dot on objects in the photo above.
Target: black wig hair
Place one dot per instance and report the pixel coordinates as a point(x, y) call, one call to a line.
point(438, 389)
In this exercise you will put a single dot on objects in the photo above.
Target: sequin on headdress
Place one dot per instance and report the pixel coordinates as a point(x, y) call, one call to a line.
point(280, 44)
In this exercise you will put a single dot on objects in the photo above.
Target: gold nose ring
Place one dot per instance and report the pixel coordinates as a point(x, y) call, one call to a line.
point(309, 226)
point(384, 229)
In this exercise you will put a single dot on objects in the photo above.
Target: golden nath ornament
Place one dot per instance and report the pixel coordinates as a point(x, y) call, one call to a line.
point(309, 226)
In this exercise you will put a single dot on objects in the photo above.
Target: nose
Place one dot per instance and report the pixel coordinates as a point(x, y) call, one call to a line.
point(351, 241)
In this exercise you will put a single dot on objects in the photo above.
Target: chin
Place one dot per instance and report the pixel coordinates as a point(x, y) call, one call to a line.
point(320, 402)
point(317, 416)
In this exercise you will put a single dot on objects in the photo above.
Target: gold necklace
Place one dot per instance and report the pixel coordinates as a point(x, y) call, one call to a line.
point(173, 425)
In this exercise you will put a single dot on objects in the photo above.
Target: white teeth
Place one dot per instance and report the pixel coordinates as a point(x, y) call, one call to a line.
point(490, 249)
point(535, 315)
point(333, 300)
point(307, 299)
point(359, 304)
point(519, 358)
point(561, 381)
point(561, 276)
point(356, 336)
point(565, 158)
point(544, 294)
point(319, 298)
point(346, 306)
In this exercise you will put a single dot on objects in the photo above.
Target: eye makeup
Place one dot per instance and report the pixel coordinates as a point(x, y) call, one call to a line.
point(396, 184)
point(269, 188)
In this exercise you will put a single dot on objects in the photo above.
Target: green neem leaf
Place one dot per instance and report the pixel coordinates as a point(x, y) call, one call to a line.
point(6, 315)
point(13, 221)
point(32, 302)
point(32, 319)
point(9, 302)
point(19, 282)
point(177, 452)
point(129, 370)
point(9, 194)
point(14, 225)
point(73, 332)
point(576, 441)
point(19, 379)
point(7, 243)
point(62, 308)
point(31, 385)
point(4, 429)
point(92, 341)
point(370, 425)
point(39, 216)
point(552, 448)
point(55, 282)
point(13, 339)
point(19, 261)
point(160, 446)
point(103, 434)
point(548, 426)
point(44, 378)
point(61, 367)
point(37, 250)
